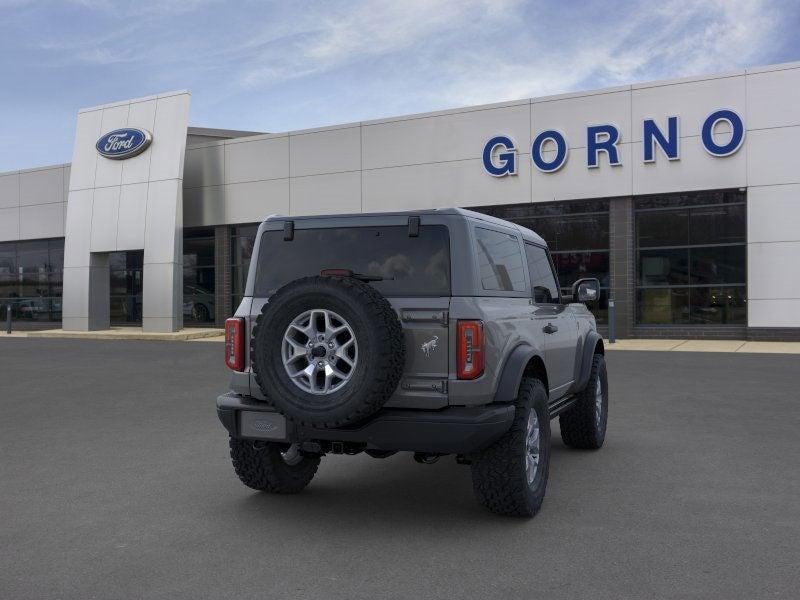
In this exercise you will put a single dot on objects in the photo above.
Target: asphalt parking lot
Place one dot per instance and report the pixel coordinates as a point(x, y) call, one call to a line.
point(115, 483)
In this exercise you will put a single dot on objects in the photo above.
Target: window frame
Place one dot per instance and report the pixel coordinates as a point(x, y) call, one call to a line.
point(479, 290)
point(638, 288)
point(553, 272)
point(45, 277)
point(236, 233)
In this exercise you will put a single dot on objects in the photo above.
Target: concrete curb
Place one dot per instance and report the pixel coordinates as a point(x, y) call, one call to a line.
point(738, 346)
point(121, 333)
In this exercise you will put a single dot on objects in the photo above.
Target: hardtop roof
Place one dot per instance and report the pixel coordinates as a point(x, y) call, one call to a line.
point(526, 233)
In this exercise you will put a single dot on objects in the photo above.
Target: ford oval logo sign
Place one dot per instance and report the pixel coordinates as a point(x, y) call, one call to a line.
point(123, 143)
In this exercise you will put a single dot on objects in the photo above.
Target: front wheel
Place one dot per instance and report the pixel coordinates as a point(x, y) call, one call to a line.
point(584, 425)
point(271, 467)
point(510, 476)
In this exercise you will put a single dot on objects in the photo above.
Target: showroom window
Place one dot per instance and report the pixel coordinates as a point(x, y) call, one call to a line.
point(243, 238)
point(198, 276)
point(691, 259)
point(31, 276)
point(577, 235)
point(125, 269)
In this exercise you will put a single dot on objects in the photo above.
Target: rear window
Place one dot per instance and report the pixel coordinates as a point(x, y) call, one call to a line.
point(410, 266)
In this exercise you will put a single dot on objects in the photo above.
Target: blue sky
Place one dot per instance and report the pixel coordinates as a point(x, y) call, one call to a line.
point(276, 66)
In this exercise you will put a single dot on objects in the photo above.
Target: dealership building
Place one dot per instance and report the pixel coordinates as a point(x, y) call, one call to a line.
point(681, 196)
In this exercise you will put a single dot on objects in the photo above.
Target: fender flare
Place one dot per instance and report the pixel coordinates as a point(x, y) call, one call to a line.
point(590, 344)
point(513, 370)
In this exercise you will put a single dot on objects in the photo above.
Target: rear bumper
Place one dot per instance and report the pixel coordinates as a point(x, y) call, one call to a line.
point(452, 430)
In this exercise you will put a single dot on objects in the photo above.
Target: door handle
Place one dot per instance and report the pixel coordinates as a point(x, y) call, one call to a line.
point(549, 328)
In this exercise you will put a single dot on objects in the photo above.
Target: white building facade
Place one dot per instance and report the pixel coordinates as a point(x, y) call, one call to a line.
point(682, 196)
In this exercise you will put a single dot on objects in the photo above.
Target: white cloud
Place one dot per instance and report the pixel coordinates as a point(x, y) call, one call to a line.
point(455, 53)
point(469, 51)
point(673, 40)
point(413, 55)
point(323, 39)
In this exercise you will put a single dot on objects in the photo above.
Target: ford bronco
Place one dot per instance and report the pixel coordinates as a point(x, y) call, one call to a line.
point(436, 332)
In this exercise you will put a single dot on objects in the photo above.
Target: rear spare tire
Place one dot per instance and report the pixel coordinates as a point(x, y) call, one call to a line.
point(327, 351)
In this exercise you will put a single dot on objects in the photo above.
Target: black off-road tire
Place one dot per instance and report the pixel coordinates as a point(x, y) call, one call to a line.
point(260, 466)
point(381, 351)
point(499, 475)
point(581, 426)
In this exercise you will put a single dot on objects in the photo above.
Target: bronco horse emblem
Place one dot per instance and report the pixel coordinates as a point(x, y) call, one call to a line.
point(430, 345)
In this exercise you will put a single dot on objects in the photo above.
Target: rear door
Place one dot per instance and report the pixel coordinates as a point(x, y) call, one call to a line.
point(558, 327)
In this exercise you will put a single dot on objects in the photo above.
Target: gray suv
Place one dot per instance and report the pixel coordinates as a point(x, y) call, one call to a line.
point(436, 332)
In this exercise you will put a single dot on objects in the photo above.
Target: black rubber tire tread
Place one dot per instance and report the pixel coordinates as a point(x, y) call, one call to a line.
point(579, 428)
point(499, 477)
point(387, 358)
point(260, 466)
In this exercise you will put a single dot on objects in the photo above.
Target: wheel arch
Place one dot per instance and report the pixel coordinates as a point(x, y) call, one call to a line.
point(523, 360)
point(593, 344)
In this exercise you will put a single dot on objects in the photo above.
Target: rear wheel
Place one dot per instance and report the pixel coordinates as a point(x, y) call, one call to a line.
point(271, 467)
point(510, 476)
point(584, 425)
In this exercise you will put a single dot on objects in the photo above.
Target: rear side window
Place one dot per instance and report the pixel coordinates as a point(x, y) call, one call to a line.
point(543, 282)
point(500, 261)
point(411, 266)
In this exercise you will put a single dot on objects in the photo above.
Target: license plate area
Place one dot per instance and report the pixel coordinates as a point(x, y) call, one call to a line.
point(262, 425)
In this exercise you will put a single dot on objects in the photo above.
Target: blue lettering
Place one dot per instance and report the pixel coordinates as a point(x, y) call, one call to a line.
point(596, 144)
point(507, 159)
point(561, 151)
point(736, 140)
point(652, 135)
point(500, 152)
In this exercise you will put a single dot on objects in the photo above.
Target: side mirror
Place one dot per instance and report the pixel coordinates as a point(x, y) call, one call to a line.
point(586, 290)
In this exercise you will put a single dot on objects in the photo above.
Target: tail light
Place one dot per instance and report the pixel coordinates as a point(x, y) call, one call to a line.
point(470, 349)
point(234, 343)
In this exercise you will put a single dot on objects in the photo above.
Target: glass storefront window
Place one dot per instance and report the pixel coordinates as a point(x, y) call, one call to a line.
point(125, 270)
point(577, 234)
point(663, 305)
point(691, 259)
point(667, 266)
point(199, 277)
point(718, 305)
point(718, 264)
point(572, 266)
point(718, 224)
point(30, 279)
point(662, 228)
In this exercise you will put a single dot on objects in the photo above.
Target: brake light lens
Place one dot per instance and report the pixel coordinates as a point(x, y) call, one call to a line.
point(234, 343)
point(470, 349)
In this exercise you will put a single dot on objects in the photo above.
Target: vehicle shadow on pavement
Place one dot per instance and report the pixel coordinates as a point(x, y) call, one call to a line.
point(359, 492)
